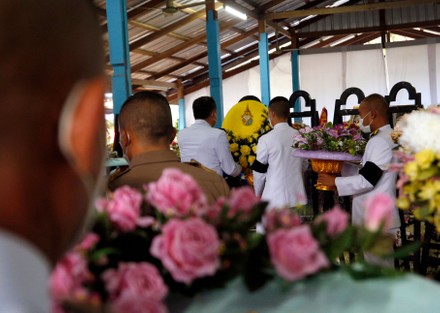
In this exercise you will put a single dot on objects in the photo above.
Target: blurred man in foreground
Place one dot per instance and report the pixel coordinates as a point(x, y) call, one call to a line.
point(52, 120)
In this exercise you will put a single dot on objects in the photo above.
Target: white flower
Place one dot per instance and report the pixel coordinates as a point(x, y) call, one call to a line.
point(421, 131)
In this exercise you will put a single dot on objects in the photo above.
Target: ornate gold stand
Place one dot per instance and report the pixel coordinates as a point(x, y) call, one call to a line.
point(328, 167)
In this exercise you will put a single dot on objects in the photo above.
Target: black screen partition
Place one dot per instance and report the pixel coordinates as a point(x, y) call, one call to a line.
point(342, 101)
point(396, 110)
point(309, 103)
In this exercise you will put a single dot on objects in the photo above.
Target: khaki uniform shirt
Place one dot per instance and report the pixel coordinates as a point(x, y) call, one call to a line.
point(148, 167)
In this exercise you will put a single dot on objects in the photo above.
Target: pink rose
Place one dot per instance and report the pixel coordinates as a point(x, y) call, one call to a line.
point(68, 276)
point(138, 305)
point(242, 200)
point(280, 218)
point(88, 242)
point(336, 220)
point(379, 209)
point(188, 249)
point(215, 209)
point(176, 194)
point(295, 253)
point(136, 281)
point(124, 209)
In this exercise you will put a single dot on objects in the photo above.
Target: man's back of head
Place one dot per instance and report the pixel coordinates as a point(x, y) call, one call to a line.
point(279, 110)
point(203, 107)
point(51, 114)
point(145, 123)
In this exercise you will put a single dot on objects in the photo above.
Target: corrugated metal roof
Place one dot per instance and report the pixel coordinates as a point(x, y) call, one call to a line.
point(168, 47)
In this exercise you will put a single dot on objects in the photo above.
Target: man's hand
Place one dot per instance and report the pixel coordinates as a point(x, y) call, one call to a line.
point(326, 179)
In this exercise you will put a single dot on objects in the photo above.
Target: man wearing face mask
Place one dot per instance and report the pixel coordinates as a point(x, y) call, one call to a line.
point(278, 175)
point(52, 118)
point(146, 131)
point(374, 176)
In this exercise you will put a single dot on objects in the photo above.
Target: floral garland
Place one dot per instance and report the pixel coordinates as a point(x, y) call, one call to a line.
point(145, 247)
point(346, 137)
point(244, 150)
point(419, 164)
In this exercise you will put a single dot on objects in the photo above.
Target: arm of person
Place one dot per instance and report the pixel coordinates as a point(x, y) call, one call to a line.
point(227, 162)
point(260, 167)
point(376, 161)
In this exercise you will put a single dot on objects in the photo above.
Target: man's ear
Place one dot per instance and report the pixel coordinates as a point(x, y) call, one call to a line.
point(85, 127)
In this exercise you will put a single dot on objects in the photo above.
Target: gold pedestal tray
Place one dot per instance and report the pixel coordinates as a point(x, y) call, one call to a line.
point(328, 167)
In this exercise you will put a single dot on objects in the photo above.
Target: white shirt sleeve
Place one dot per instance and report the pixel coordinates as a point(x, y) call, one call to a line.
point(262, 157)
point(227, 162)
point(378, 152)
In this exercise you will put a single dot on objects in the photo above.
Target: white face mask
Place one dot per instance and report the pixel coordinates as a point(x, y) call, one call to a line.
point(365, 129)
point(94, 188)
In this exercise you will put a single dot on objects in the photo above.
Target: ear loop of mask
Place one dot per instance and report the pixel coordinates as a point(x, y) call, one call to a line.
point(64, 130)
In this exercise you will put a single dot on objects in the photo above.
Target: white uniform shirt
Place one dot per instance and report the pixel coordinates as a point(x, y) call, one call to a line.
point(378, 151)
point(208, 146)
point(282, 185)
point(24, 275)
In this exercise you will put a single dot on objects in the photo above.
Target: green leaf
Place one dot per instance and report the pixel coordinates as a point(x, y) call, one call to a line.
point(405, 251)
point(99, 254)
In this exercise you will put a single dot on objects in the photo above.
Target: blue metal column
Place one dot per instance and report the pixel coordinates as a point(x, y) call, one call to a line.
point(119, 52)
point(182, 121)
point(263, 48)
point(295, 81)
point(214, 60)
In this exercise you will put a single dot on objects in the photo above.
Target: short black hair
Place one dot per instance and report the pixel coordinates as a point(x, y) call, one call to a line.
point(377, 102)
point(250, 97)
point(148, 115)
point(280, 106)
point(203, 107)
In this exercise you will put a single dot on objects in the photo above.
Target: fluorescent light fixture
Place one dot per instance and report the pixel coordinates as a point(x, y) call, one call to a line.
point(235, 12)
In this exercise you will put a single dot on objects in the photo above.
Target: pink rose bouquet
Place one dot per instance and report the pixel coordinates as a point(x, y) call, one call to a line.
point(144, 248)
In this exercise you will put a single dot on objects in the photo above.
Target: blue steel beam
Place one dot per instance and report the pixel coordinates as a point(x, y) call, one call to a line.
point(119, 52)
point(214, 61)
point(263, 48)
point(295, 81)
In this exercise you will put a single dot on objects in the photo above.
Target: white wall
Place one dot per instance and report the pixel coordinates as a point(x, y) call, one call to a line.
point(326, 75)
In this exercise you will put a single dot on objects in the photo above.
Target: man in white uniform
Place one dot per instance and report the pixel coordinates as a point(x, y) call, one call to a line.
point(374, 176)
point(52, 115)
point(204, 143)
point(278, 175)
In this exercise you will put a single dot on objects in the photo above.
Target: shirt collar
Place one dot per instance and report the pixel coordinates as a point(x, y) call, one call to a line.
point(154, 157)
point(202, 122)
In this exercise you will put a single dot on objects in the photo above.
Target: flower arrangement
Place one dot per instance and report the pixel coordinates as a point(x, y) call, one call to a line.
point(244, 149)
point(146, 247)
point(419, 164)
point(245, 122)
point(345, 137)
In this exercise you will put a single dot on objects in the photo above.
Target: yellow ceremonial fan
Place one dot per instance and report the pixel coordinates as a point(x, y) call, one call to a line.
point(245, 118)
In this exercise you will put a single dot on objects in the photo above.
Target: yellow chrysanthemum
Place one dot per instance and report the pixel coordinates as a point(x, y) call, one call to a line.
point(429, 190)
point(234, 147)
point(267, 128)
point(236, 154)
point(243, 161)
point(254, 149)
point(402, 203)
point(412, 170)
point(251, 159)
point(255, 135)
point(425, 158)
point(245, 150)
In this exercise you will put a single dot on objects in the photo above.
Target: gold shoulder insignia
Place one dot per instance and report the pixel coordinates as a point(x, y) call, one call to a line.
point(117, 172)
point(374, 133)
